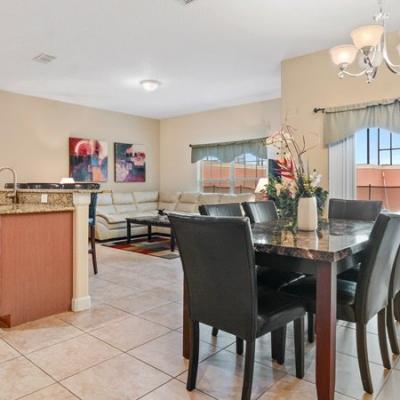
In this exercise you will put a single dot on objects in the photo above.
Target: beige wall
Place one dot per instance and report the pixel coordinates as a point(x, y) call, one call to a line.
point(234, 123)
point(34, 138)
point(311, 81)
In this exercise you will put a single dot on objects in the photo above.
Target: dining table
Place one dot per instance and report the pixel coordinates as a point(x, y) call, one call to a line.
point(334, 247)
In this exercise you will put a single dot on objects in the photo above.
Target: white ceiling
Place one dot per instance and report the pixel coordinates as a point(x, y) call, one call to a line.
point(208, 54)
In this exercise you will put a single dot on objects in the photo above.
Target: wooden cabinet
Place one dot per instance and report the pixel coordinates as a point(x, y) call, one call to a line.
point(36, 265)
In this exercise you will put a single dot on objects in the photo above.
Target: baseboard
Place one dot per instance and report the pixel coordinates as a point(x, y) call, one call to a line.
point(81, 303)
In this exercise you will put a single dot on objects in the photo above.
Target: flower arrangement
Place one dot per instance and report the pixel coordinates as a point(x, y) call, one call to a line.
point(295, 181)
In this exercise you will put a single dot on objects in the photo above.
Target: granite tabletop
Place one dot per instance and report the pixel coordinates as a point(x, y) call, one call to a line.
point(333, 241)
point(31, 209)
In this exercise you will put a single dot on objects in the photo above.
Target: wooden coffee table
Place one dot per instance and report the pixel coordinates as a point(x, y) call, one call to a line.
point(157, 220)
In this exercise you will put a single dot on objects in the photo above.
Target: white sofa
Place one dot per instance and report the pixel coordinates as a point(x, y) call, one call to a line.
point(114, 207)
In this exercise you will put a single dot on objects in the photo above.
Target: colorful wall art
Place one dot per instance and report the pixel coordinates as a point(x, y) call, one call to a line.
point(88, 160)
point(130, 162)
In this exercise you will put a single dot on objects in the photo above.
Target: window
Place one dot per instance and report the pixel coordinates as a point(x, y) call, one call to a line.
point(375, 146)
point(238, 176)
point(378, 166)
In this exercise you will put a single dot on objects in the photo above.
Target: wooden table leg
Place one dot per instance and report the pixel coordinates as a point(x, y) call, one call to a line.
point(326, 331)
point(129, 232)
point(149, 232)
point(186, 324)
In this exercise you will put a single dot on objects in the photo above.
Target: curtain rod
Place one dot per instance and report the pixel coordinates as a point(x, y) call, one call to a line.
point(318, 109)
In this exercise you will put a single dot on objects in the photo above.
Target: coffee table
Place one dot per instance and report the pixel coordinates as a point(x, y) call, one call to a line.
point(150, 221)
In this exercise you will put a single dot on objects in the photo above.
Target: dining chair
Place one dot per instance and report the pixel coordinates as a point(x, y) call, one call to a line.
point(264, 212)
point(360, 301)
point(219, 270)
point(92, 229)
point(364, 210)
point(223, 210)
point(394, 292)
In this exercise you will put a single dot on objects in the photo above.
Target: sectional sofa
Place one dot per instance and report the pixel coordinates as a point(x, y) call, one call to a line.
point(114, 207)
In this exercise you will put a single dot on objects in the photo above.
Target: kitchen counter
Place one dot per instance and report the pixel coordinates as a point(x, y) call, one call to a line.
point(32, 209)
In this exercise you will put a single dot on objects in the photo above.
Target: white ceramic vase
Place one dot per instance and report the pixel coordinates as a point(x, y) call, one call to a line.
point(307, 214)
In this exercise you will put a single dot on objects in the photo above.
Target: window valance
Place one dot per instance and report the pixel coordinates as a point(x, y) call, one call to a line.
point(228, 151)
point(342, 122)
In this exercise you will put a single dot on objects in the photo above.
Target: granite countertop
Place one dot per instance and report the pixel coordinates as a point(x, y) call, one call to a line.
point(32, 209)
point(333, 241)
point(53, 191)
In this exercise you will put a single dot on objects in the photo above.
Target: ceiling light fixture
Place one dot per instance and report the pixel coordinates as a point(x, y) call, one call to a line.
point(369, 46)
point(150, 85)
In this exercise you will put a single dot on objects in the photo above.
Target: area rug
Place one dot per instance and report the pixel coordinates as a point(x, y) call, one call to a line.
point(158, 247)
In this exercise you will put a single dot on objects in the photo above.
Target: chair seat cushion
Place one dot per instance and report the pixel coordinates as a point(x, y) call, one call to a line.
point(274, 279)
point(276, 309)
point(305, 289)
point(350, 274)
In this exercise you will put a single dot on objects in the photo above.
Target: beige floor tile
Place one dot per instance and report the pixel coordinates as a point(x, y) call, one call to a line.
point(20, 377)
point(169, 315)
point(165, 353)
point(175, 390)
point(165, 293)
point(94, 318)
point(129, 333)
point(102, 291)
point(137, 304)
point(391, 390)
point(290, 388)
point(53, 392)
point(7, 352)
point(67, 358)
point(222, 340)
point(121, 378)
point(38, 334)
point(221, 376)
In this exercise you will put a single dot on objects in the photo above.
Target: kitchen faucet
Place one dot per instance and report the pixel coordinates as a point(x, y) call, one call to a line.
point(13, 194)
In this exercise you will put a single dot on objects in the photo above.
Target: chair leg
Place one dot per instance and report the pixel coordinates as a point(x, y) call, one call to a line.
point(278, 345)
point(362, 355)
point(93, 248)
point(214, 332)
point(310, 327)
point(248, 369)
point(391, 327)
point(194, 356)
point(397, 307)
point(299, 347)
point(239, 346)
point(383, 340)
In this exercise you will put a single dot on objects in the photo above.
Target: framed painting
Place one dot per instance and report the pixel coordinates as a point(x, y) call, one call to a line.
point(130, 162)
point(88, 160)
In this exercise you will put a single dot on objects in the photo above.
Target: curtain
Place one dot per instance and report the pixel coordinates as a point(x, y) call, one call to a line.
point(228, 151)
point(342, 122)
point(342, 169)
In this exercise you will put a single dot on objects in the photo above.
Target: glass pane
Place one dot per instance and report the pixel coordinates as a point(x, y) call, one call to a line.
point(385, 157)
point(396, 157)
point(396, 140)
point(373, 146)
point(361, 147)
point(384, 139)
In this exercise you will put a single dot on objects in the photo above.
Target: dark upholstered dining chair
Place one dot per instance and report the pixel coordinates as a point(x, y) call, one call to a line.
point(260, 212)
point(219, 270)
point(92, 229)
point(223, 210)
point(360, 301)
point(392, 310)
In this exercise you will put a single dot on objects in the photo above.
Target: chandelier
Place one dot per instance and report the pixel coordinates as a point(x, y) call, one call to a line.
point(369, 47)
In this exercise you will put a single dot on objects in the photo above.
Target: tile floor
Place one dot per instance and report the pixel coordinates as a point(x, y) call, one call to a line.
point(129, 347)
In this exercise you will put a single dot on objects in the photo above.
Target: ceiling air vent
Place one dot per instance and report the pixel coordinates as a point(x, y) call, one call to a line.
point(44, 58)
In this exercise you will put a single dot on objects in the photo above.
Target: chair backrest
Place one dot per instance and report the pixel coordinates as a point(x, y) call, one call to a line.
point(367, 210)
point(221, 210)
point(92, 207)
point(376, 270)
point(260, 212)
point(395, 278)
point(218, 262)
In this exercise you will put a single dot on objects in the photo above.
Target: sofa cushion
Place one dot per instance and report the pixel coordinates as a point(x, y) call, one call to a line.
point(123, 208)
point(105, 210)
point(236, 198)
point(122, 198)
point(188, 202)
point(104, 199)
point(189, 197)
point(145, 197)
point(209, 198)
point(168, 201)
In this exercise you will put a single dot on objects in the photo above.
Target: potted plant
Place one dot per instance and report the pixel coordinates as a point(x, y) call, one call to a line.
point(296, 193)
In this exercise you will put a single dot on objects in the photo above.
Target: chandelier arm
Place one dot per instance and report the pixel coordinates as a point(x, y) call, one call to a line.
point(395, 68)
point(353, 75)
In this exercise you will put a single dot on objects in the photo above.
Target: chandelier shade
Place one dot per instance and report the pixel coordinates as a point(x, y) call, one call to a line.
point(367, 36)
point(343, 55)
